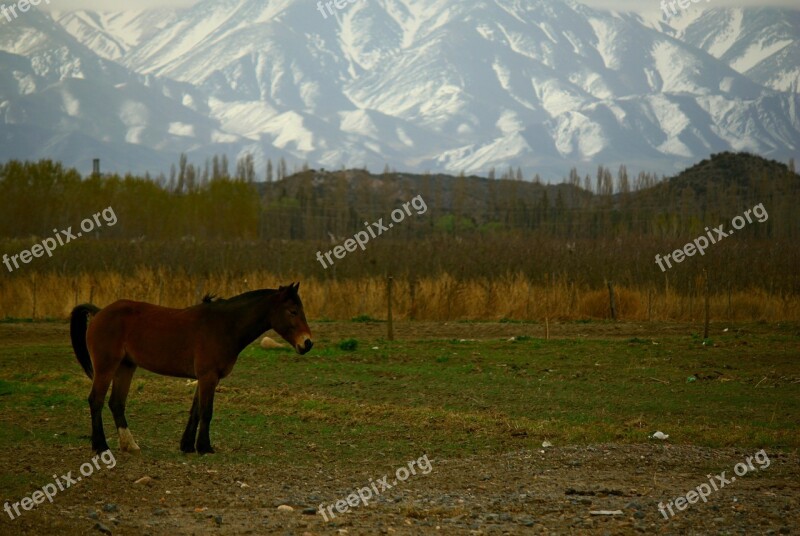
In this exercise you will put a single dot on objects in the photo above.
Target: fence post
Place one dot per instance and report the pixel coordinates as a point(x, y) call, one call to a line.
point(546, 308)
point(528, 300)
point(612, 300)
point(708, 304)
point(33, 313)
point(730, 315)
point(389, 283)
point(413, 291)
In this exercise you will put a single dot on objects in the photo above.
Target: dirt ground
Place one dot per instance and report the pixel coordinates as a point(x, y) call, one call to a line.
point(553, 490)
point(547, 491)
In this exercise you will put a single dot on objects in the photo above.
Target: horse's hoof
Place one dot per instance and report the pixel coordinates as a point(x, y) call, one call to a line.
point(126, 442)
point(188, 450)
point(205, 450)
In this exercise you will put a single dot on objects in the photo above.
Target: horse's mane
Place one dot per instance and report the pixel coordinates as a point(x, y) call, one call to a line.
point(211, 298)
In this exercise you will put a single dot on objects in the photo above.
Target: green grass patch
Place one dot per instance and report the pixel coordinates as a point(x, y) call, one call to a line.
point(348, 345)
point(364, 318)
point(453, 397)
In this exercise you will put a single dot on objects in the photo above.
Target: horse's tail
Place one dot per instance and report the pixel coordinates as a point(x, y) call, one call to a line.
point(79, 320)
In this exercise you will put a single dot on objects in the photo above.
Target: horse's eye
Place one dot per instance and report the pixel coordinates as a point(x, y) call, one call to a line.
point(293, 313)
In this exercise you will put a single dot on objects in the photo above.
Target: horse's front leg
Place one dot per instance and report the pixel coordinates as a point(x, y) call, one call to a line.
point(205, 388)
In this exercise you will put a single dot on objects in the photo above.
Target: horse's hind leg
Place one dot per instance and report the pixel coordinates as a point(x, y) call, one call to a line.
point(205, 387)
point(97, 397)
point(187, 441)
point(119, 394)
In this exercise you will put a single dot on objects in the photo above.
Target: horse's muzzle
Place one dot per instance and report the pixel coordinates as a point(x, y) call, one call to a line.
point(305, 347)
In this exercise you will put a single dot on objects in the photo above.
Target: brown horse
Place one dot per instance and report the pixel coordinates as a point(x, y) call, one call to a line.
point(201, 342)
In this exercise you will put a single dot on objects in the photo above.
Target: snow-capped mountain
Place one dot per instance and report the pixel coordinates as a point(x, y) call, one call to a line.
point(763, 45)
point(439, 85)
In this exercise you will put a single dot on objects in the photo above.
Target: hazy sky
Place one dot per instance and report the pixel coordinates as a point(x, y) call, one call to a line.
point(632, 5)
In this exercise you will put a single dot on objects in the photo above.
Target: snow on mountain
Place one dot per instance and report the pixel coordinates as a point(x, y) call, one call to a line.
point(435, 85)
point(53, 86)
point(113, 35)
point(764, 45)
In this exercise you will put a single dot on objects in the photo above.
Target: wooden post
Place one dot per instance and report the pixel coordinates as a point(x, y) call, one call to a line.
point(612, 300)
point(412, 314)
point(389, 283)
point(573, 298)
point(528, 301)
point(729, 302)
point(362, 306)
point(708, 305)
point(546, 309)
point(452, 286)
point(33, 314)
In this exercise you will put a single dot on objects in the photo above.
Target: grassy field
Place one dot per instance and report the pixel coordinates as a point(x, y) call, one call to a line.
point(478, 398)
point(457, 397)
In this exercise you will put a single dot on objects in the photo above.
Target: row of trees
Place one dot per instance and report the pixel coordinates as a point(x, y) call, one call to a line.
point(472, 227)
point(37, 197)
point(189, 178)
point(317, 205)
point(313, 204)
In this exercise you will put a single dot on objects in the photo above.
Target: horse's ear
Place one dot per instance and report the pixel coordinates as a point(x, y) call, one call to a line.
point(297, 286)
point(291, 289)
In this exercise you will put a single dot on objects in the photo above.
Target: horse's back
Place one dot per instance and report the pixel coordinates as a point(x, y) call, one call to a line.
point(132, 307)
point(130, 316)
point(160, 339)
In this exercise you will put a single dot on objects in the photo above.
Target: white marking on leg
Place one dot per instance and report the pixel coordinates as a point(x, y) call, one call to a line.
point(126, 442)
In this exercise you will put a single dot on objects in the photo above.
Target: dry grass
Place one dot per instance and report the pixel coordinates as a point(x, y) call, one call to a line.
point(438, 298)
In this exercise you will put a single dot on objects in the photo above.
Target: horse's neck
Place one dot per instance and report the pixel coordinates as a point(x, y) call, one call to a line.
point(251, 319)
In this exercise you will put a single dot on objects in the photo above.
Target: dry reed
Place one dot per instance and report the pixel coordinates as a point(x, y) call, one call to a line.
point(436, 298)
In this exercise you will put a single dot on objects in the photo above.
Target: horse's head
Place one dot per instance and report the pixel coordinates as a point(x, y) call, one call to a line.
point(289, 319)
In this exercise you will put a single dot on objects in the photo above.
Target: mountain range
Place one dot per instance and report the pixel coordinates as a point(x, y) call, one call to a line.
point(418, 85)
